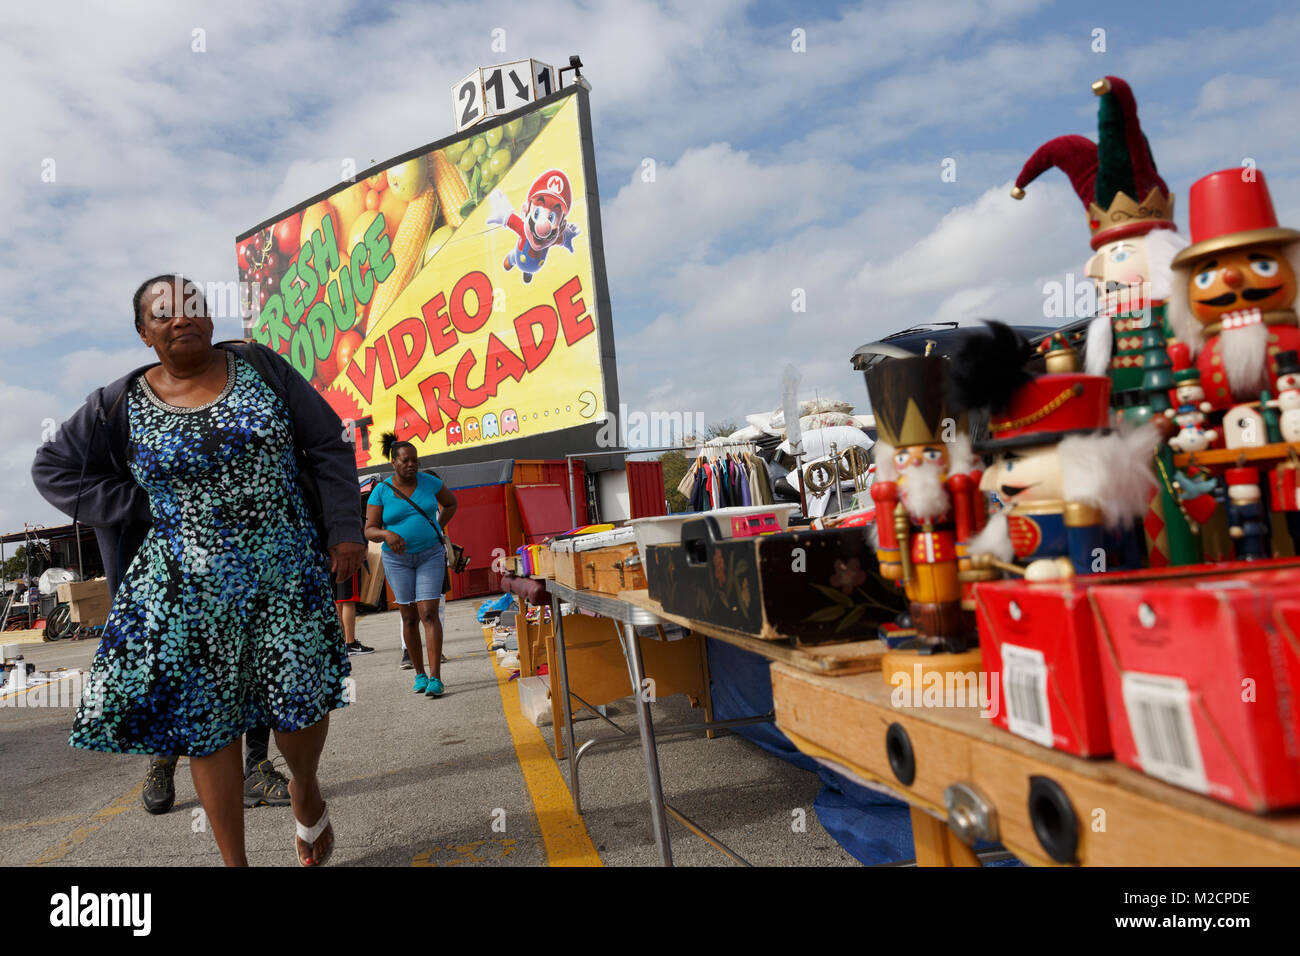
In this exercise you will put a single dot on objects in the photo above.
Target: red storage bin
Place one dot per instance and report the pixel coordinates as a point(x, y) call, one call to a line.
point(1202, 683)
point(1041, 641)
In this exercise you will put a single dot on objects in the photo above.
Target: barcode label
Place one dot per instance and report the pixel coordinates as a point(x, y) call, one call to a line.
point(1024, 675)
point(1160, 717)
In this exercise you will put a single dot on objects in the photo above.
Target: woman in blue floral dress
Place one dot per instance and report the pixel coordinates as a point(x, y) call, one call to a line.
point(224, 619)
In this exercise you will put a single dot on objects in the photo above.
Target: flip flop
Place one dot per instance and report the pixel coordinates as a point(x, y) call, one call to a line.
point(310, 835)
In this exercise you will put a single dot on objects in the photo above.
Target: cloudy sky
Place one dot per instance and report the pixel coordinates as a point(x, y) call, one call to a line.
point(775, 170)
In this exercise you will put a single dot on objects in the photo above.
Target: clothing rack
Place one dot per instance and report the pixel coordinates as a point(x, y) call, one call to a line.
point(624, 452)
point(721, 448)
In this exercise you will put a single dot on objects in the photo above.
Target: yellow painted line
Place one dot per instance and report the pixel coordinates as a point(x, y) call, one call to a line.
point(125, 802)
point(34, 824)
point(563, 832)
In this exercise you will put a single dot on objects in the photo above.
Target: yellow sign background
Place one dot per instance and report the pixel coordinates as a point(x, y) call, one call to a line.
point(427, 367)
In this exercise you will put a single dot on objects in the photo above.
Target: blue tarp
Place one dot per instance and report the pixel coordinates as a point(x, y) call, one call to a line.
point(872, 827)
point(502, 604)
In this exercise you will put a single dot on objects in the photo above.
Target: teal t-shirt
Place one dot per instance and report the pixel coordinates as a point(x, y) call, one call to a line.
point(400, 517)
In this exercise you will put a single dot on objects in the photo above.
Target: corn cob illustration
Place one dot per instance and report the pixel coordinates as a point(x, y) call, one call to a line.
point(452, 189)
point(408, 251)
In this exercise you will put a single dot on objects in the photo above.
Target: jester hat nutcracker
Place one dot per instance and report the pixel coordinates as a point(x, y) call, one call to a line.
point(1233, 301)
point(1070, 486)
point(1130, 215)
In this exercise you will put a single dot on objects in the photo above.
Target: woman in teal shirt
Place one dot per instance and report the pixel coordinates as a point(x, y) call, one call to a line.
point(401, 513)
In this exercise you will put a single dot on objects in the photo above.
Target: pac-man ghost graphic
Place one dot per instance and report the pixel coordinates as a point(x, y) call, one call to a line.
point(454, 436)
point(509, 422)
point(471, 429)
point(491, 429)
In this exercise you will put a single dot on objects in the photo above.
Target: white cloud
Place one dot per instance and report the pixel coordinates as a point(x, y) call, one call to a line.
point(1230, 92)
point(28, 414)
point(776, 170)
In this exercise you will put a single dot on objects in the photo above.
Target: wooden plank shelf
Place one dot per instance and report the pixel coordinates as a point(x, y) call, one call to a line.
point(1257, 455)
point(855, 657)
point(1125, 818)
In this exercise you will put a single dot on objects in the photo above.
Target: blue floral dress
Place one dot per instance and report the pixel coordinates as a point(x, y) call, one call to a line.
point(225, 619)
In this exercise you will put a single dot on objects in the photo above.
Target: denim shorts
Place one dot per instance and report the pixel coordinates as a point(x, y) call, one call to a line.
point(418, 576)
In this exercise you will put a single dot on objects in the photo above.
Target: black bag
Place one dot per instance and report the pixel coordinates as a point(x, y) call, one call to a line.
point(457, 559)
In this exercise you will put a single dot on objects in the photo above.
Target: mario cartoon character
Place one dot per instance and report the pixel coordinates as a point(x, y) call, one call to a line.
point(509, 422)
point(471, 429)
point(543, 223)
point(490, 426)
point(454, 435)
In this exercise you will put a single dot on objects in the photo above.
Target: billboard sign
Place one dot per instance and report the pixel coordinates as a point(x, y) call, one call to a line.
point(455, 295)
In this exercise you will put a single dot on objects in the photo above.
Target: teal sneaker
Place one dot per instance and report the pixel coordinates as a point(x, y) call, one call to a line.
point(421, 682)
point(434, 688)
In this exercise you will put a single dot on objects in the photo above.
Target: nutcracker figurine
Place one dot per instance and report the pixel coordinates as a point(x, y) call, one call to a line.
point(1233, 298)
point(1288, 394)
point(1070, 486)
point(926, 491)
point(1189, 404)
point(1247, 519)
point(1131, 218)
point(1284, 497)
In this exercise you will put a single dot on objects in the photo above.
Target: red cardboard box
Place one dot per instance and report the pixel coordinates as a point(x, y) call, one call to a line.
point(1202, 682)
point(1041, 641)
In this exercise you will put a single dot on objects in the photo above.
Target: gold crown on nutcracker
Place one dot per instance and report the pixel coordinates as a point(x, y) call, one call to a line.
point(909, 397)
point(1115, 178)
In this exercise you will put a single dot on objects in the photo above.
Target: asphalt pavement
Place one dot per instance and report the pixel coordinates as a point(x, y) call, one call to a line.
point(412, 781)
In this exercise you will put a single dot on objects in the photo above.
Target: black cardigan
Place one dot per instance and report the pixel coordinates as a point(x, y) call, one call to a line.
point(84, 472)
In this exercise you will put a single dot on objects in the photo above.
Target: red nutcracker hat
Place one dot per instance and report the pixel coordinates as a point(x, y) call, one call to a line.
point(1231, 209)
point(1241, 476)
point(1024, 410)
point(1048, 409)
point(1180, 363)
point(552, 183)
point(1116, 178)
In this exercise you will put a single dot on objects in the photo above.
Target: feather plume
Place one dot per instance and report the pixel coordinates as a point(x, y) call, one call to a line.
point(987, 369)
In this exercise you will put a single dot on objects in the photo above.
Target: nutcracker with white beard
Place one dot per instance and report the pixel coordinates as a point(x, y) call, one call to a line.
point(1234, 293)
point(1070, 487)
point(928, 503)
point(1130, 215)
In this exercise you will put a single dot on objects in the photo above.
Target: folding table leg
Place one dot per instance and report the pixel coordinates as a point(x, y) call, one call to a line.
point(658, 816)
point(567, 712)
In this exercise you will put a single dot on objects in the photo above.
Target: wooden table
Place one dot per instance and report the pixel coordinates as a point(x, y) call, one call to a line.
point(1125, 818)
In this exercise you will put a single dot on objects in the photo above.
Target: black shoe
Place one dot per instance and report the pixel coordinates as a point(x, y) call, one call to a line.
point(266, 786)
point(356, 647)
point(406, 661)
point(444, 658)
point(160, 785)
